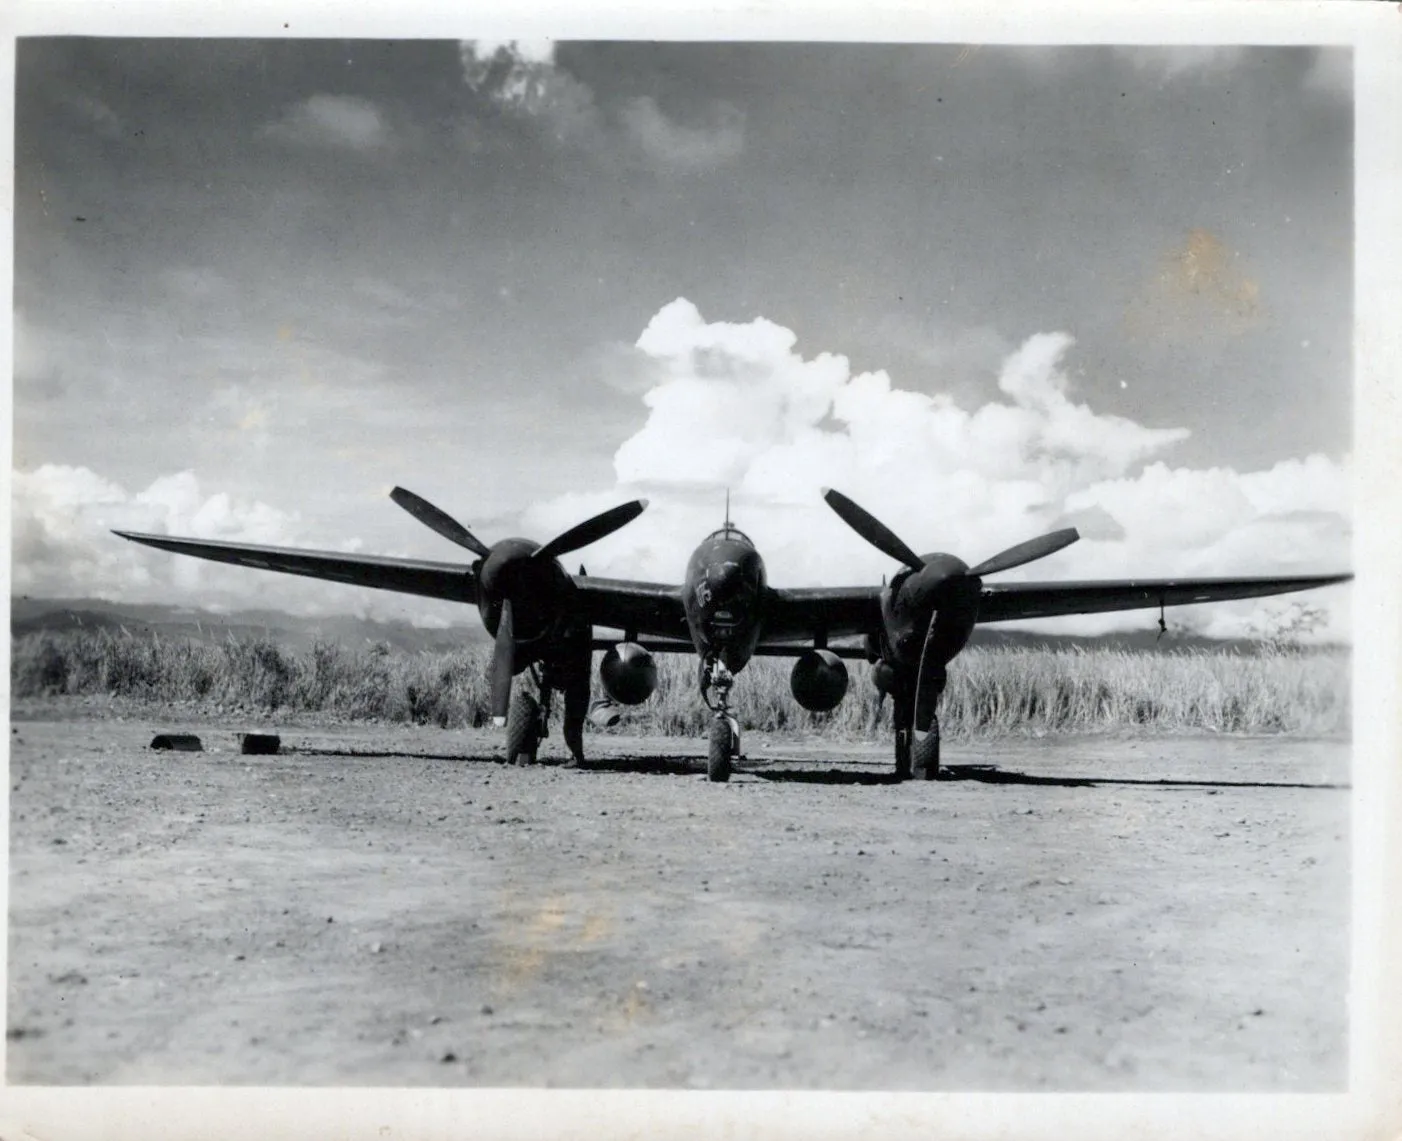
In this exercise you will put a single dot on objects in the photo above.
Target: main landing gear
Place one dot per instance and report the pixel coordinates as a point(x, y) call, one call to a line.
point(917, 731)
point(528, 717)
point(724, 741)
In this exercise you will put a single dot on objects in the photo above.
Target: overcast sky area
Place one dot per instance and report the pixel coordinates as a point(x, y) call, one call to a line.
point(983, 291)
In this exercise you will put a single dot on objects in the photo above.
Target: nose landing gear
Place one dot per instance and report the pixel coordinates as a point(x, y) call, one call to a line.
point(724, 741)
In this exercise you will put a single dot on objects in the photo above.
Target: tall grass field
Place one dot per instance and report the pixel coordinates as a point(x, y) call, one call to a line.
point(1284, 689)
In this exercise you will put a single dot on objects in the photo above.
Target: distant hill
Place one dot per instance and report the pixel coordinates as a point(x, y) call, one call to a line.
point(28, 615)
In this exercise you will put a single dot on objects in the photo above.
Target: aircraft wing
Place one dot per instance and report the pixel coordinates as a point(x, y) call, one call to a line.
point(451, 581)
point(832, 612)
point(1003, 602)
point(641, 608)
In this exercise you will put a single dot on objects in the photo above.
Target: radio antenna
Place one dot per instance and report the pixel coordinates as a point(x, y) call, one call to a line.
point(727, 509)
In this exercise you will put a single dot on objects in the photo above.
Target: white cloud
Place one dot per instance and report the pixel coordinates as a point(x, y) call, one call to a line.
point(735, 405)
point(1172, 61)
point(717, 140)
point(62, 546)
point(482, 51)
point(332, 121)
point(520, 77)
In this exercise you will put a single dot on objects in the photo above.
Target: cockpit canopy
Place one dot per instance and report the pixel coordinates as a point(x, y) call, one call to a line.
point(729, 531)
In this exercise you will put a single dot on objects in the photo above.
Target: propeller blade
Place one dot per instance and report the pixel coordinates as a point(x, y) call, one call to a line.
point(870, 528)
point(592, 530)
point(1027, 552)
point(440, 521)
point(503, 665)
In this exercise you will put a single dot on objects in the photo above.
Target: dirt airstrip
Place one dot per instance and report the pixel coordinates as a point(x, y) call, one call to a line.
point(384, 905)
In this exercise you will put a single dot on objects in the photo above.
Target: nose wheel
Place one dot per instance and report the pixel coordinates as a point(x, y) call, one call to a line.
point(724, 746)
point(724, 742)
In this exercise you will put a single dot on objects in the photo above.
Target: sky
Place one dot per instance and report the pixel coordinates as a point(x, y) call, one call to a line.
point(984, 291)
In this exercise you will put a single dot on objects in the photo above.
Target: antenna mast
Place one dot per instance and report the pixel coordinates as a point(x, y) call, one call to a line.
point(727, 509)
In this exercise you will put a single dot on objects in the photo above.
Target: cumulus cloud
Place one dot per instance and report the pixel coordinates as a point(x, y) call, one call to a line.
point(737, 406)
point(341, 121)
point(520, 77)
point(524, 80)
point(62, 547)
point(717, 139)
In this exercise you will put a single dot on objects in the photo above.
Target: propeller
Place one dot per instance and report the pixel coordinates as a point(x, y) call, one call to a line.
point(580, 535)
point(1030, 551)
point(505, 647)
point(870, 528)
point(503, 664)
point(437, 519)
point(592, 530)
point(885, 540)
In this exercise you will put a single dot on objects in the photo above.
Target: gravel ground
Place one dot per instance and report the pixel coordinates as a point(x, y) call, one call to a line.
point(386, 905)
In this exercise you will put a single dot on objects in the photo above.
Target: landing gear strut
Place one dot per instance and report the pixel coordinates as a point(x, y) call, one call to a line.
point(900, 719)
point(528, 718)
point(917, 728)
point(724, 742)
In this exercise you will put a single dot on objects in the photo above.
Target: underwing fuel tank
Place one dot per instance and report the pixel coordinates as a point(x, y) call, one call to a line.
point(818, 681)
point(629, 673)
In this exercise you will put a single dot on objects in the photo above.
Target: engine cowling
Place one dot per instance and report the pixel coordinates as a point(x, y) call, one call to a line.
point(818, 681)
point(629, 673)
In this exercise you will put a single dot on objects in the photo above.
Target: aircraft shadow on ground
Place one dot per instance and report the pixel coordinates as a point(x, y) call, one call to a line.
point(671, 765)
point(991, 774)
point(392, 754)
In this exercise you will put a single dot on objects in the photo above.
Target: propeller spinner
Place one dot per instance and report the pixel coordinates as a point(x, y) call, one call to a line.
point(517, 579)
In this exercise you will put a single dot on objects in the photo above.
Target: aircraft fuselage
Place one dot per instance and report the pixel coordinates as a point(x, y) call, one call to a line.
point(723, 597)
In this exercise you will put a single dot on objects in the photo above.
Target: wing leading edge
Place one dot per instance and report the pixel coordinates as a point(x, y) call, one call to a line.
point(647, 608)
point(1005, 602)
point(451, 581)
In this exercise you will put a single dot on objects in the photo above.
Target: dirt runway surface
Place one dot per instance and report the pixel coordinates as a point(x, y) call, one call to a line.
point(388, 906)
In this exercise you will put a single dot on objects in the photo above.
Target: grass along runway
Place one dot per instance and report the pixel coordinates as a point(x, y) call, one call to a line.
point(991, 691)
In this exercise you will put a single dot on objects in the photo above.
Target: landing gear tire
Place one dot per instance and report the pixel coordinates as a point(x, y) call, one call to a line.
point(925, 754)
point(522, 730)
point(902, 754)
point(721, 746)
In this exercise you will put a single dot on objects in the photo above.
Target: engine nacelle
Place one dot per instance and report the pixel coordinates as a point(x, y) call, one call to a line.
point(629, 674)
point(818, 681)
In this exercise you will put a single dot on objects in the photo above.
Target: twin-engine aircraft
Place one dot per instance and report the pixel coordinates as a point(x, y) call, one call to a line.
point(542, 619)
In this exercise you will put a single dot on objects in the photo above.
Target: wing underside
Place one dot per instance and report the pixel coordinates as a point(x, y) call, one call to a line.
point(822, 612)
point(634, 608)
point(644, 608)
point(1005, 602)
point(655, 610)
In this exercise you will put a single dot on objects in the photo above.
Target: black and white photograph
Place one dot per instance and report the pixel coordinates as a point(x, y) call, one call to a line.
point(702, 559)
